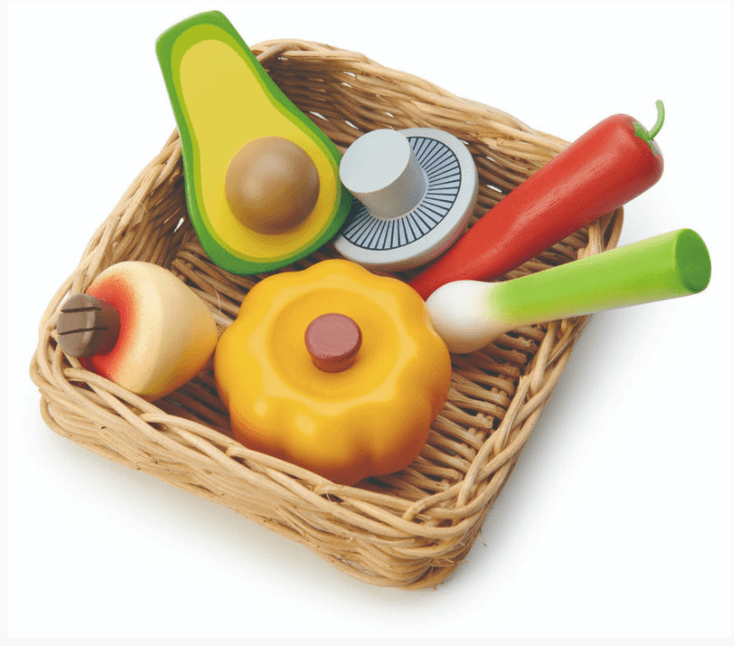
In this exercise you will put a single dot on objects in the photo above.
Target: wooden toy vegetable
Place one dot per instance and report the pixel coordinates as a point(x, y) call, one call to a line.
point(333, 369)
point(468, 314)
point(605, 168)
point(139, 326)
point(262, 180)
point(415, 190)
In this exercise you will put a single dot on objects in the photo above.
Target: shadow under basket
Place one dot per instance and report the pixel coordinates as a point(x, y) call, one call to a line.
point(411, 529)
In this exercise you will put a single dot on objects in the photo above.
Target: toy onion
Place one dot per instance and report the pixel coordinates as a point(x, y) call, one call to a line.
point(469, 315)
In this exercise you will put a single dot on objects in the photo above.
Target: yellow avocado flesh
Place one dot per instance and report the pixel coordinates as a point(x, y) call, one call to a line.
point(223, 99)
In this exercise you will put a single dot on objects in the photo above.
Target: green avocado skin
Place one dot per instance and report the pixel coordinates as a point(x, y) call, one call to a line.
point(220, 252)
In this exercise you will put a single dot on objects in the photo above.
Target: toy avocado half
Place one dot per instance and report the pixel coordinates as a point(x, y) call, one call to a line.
point(262, 180)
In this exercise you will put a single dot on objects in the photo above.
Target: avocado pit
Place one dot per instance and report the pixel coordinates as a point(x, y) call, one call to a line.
point(271, 185)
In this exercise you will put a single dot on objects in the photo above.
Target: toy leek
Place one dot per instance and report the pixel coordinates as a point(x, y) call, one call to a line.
point(611, 164)
point(469, 315)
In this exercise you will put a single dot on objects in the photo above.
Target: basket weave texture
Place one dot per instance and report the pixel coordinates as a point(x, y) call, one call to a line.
point(411, 529)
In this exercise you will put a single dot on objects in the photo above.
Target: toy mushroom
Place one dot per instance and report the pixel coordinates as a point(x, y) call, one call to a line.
point(415, 190)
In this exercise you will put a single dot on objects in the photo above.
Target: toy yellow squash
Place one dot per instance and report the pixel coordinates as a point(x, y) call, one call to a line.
point(334, 369)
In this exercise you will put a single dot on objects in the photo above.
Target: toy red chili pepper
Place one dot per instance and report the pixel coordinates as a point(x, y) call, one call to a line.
point(611, 164)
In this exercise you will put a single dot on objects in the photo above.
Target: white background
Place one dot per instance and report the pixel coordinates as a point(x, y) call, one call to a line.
point(617, 519)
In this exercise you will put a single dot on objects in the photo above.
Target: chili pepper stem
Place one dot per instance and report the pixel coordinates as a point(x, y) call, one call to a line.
point(646, 135)
point(659, 123)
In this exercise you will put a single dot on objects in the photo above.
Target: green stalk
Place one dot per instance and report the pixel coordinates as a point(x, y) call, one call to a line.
point(666, 266)
point(659, 122)
point(641, 132)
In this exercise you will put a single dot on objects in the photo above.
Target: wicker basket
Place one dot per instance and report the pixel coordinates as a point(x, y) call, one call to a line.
point(409, 530)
